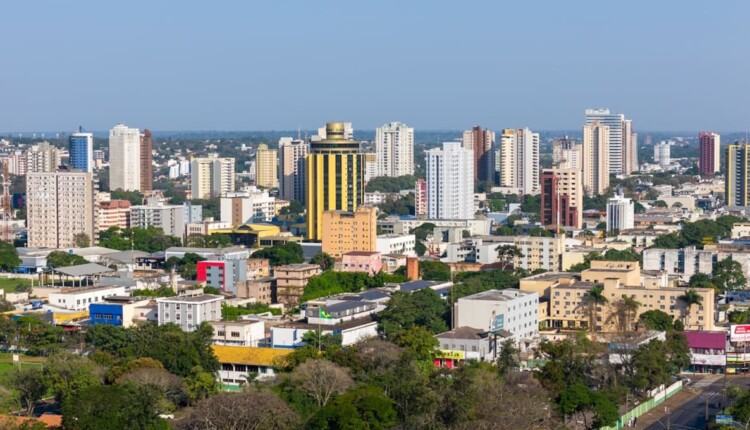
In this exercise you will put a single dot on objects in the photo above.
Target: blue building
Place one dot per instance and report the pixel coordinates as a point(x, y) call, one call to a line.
point(81, 149)
point(106, 313)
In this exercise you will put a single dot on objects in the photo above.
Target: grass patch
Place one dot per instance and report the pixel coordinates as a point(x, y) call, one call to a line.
point(7, 366)
point(10, 285)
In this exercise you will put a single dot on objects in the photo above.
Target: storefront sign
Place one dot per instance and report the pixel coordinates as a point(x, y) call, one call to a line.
point(708, 360)
point(739, 333)
point(450, 355)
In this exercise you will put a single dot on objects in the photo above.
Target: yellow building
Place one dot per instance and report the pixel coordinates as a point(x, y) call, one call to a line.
point(566, 295)
point(266, 167)
point(335, 177)
point(350, 231)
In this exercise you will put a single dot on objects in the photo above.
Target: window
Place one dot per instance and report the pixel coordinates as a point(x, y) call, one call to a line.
point(235, 334)
point(221, 333)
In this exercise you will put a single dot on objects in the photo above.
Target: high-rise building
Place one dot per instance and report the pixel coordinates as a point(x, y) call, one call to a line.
point(335, 177)
point(620, 213)
point(42, 157)
point(81, 150)
point(519, 160)
point(292, 162)
point(394, 144)
point(595, 160)
point(322, 132)
point(124, 158)
point(250, 205)
point(420, 197)
point(662, 154)
point(211, 177)
point(481, 143)
point(450, 182)
point(709, 153)
point(60, 205)
point(562, 198)
point(629, 148)
point(266, 167)
point(558, 146)
point(622, 144)
point(147, 162)
point(371, 166)
point(350, 231)
point(737, 181)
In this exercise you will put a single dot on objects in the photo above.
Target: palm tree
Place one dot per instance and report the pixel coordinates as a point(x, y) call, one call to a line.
point(593, 298)
point(625, 310)
point(507, 253)
point(690, 298)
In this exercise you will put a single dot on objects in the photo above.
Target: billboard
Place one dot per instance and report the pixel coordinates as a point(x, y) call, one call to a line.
point(450, 354)
point(739, 333)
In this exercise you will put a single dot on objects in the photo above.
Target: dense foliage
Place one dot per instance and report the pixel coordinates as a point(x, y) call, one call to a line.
point(288, 253)
point(387, 184)
point(330, 283)
point(150, 239)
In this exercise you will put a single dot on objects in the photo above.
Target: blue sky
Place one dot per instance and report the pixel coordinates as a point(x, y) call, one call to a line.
point(242, 65)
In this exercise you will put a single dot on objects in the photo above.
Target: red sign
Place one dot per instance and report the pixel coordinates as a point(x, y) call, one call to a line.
point(739, 333)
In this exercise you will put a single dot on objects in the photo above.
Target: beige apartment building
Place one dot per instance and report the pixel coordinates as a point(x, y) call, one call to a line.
point(113, 213)
point(350, 231)
point(291, 280)
point(539, 252)
point(266, 167)
point(60, 205)
point(211, 177)
point(565, 295)
point(595, 161)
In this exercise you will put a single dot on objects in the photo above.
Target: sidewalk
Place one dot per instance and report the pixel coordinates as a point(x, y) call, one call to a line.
point(673, 403)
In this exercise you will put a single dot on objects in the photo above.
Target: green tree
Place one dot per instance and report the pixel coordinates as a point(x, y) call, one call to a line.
point(434, 271)
point(420, 248)
point(388, 184)
point(507, 254)
point(656, 320)
point(669, 241)
point(30, 384)
point(81, 240)
point(700, 280)
point(114, 406)
point(418, 340)
point(593, 299)
point(624, 313)
point(57, 259)
point(728, 275)
point(509, 356)
point(740, 409)
point(366, 408)
point(288, 253)
point(422, 308)
point(209, 241)
point(423, 230)
point(8, 257)
point(67, 374)
point(690, 298)
point(134, 197)
point(324, 260)
point(575, 399)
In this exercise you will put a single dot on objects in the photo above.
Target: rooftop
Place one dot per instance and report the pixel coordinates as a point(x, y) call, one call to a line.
point(297, 267)
point(361, 253)
point(498, 295)
point(348, 304)
point(706, 339)
point(88, 269)
point(357, 322)
point(463, 333)
point(249, 355)
point(78, 290)
point(419, 285)
point(203, 298)
point(552, 276)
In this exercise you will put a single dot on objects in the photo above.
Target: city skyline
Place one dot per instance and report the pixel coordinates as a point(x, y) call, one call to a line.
point(230, 68)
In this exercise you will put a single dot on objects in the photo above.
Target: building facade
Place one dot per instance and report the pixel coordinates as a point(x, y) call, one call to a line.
point(147, 162)
point(662, 154)
point(562, 198)
point(335, 177)
point(189, 312)
point(156, 213)
point(619, 137)
point(709, 162)
point(266, 167)
point(737, 180)
point(113, 213)
point(491, 311)
point(59, 205)
point(291, 280)
point(519, 160)
point(292, 155)
point(350, 231)
point(248, 206)
point(81, 150)
point(450, 182)
point(211, 177)
point(595, 160)
point(620, 213)
point(42, 157)
point(420, 197)
point(124, 158)
point(394, 143)
point(481, 143)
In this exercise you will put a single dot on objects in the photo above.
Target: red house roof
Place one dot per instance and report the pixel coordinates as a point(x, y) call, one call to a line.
point(706, 339)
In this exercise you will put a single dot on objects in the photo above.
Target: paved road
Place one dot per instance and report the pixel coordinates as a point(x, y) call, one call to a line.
point(687, 409)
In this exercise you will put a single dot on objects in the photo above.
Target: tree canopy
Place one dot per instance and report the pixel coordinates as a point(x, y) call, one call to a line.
point(287, 253)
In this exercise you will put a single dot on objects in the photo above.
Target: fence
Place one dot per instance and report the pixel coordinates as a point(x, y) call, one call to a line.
point(658, 398)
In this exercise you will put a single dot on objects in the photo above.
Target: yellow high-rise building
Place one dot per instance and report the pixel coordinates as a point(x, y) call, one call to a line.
point(350, 231)
point(335, 177)
point(266, 167)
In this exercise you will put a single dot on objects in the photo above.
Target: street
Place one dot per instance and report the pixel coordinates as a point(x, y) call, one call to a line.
point(687, 409)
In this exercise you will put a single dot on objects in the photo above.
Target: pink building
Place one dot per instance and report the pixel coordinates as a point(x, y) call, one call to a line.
point(361, 261)
point(420, 197)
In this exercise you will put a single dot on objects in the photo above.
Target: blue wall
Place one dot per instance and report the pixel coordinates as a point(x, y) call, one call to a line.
point(105, 313)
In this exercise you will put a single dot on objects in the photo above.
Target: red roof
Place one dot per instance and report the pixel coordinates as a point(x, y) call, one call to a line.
point(706, 339)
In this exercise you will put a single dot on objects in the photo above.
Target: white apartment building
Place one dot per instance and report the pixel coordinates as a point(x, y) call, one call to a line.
point(79, 299)
point(250, 205)
point(511, 310)
point(59, 206)
point(620, 213)
point(615, 123)
point(292, 154)
point(42, 157)
point(211, 177)
point(124, 158)
point(472, 251)
point(450, 182)
point(394, 143)
point(371, 166)
point(156, 213)
point(238, 333)
point(519, 160)
point(662, 153)
point(189, 312)
point(396, 244)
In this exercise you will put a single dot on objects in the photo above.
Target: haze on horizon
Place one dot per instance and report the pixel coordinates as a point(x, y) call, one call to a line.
point(434, 65)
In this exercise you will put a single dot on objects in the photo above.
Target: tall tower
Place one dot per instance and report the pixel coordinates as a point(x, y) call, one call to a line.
point(292, 163)
point(709, 162)
point(124, 158)
point(519, 160)
point(629, 148)
point(620, 138)
point(481, 142)
point(266, 167)
point(394, 144)
point(737, 181)
point(595, 162)
point(335, 177)
point(81, 150)
point(562, 198)
point(147, 162)
point(620, 213)
point(450, 182)
point(211, 177)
